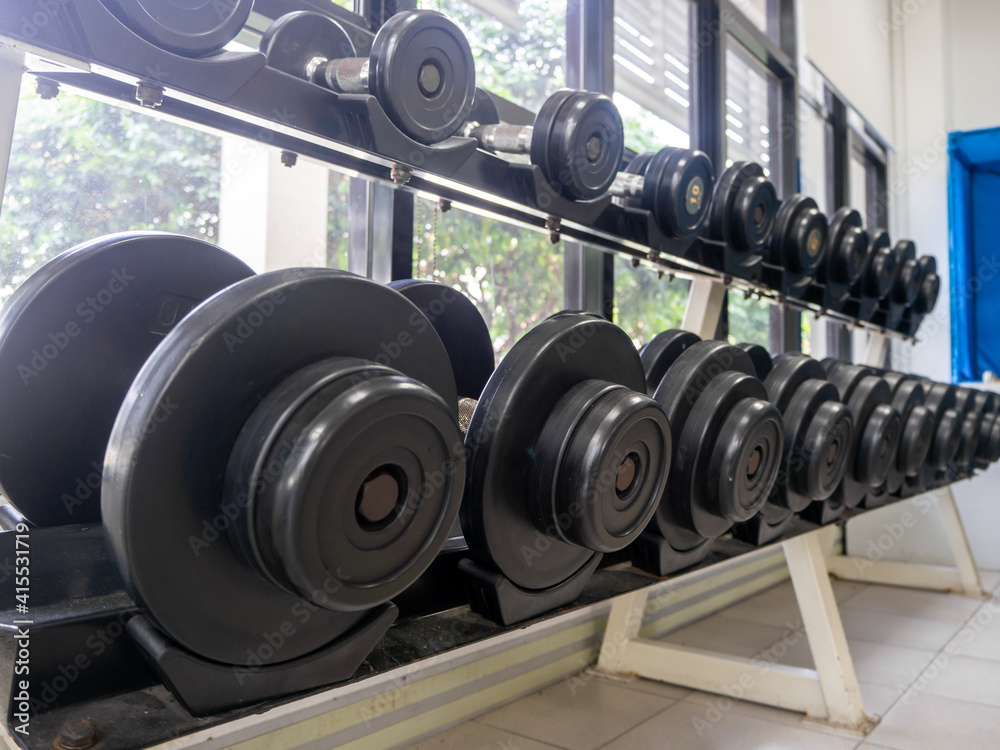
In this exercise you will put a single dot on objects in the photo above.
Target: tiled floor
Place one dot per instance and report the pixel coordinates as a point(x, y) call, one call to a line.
point(929, 699)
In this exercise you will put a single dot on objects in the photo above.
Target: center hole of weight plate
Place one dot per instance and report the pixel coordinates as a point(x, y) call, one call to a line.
point(594, 148)
point(815, 243)
point(883, 447)
point(831, 454)
point(429, 78)
point(758, 215)
point(753, 465)
point(626, 475)
point(380, 497)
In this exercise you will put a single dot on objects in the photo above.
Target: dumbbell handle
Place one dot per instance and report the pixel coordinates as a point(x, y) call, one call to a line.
point(508, 139)
point(627, 185)
point(347, 75)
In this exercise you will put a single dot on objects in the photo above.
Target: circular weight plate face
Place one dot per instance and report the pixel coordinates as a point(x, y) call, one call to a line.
point(927, 263)
point(965, 399)
point(192, 28)
point(969, 442)
point(947, 437)
point(744, 206)
point(759, 356)
point(293, 40)
point(639, 163)
point(878, 428)
point(824, 451)
point(72, 338)
point(484, 109)
point(163, 497)
point(907, 283)
point(846, 377)
point(661, 352)
point(847, 247)
point(987, 402)
point(927, 297)
point(461, 327)
point(676, 189)
point(799, 236)
point(422, 73)
point(791, 370)
point(880, 268)
point(578, 141)
point(549, 360)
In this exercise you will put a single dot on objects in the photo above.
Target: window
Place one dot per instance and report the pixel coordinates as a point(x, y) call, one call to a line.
point(752, 111)
point(814, 136)
point(653, 72)
point(761, 13)
point(514, 275)
point(647, 302)
point(749, 319)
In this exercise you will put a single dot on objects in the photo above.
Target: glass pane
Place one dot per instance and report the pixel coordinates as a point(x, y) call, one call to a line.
point(858, 185)
point(520, 50)
point(812, 156)
point(647, 303)
point(514, 275)
point(756, 12)
point(653, 72)
point(807, 321)
point(749, 320)
point(80, 168)
point(336, 221)
point(752, 95)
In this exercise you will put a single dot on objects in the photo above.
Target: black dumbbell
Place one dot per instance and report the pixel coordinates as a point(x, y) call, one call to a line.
point(844, 258)
point(988, 404)
point(420, 68)
point(877, 429)
point(190, 29)
point(674, 185)
point(916, 437)
point(941, 400)
point(795, 251)
point(567, 459)
point(819, 432)
point(878, 275)
point(904, 289)
point(727, 442)
point(970, 435)
point(927, 296)
point(742, 214)
point(577, 140)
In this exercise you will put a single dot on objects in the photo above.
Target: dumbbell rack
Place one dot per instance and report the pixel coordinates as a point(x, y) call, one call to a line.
point(830, 692)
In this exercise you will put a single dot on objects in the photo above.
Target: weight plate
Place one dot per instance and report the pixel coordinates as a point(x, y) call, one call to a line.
point(661, 352)
point(987, 402)
point(164, 499)
point(638, 164)
point(461, 327)
point(907, 284)
point(968, 442)
point(878, 445)
point(846, 378)
point(743, 208)
point(790, 371)
point(191, 28)
point(880, 267)
point(918, 426)
point(484, 109)
point(539, 370)
point(930, 285)
point(422, 72)
point(819, 431)
point(296, 39)
point(799, 236)
point(578, 140)
point(847, 247)
point(947, 438)
point(676, 189)
point(759, 356)
point(72, 338)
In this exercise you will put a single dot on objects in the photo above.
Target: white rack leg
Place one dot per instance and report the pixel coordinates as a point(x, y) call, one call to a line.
point(704, 307)
point(829, 692)
point(873, 354)
point(963, 578)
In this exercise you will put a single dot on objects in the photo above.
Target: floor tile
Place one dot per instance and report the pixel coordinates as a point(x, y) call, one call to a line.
point(878, 699)
point(990, 579)
point(768, 713)
point(883, 627)
point(726, 635)
point(652, 687)
point(920, 721)
point(963, 678)
point(980, 636)
point(929, 605)
point(845, 590)
point(577, 715)
point(472, 734)
point(690, 725)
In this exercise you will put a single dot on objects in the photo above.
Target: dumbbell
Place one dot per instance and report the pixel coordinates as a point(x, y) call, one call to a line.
point(577, 140)
point(844, 258)
point(258, 450)
point(567, 460)
point(941, 400)
point(917, 433)
point(742, 214)
point(970, 435)
point(877, 429)
point(819, 432)
point(795, 250)
point(190, 29)
point(988, 404)
point(927, 296)
point(878, 275)
point(674, 185)
point(905, 286)
point(420, 68)
point(727, 441)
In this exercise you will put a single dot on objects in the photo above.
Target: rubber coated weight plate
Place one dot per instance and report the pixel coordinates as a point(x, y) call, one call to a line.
point(484, 109)
point(907, 283)
point(847, 248)
point(638, 164)
point(790, 371)
point(164, 498)
point(422, 73)
point(661, 352)
point(818, 433)
point(918, 426)
point(578, 140)
point(799, 236)
point(759, 356)
point(878, 428)
point(743, 208)
point(947, 439)
point(986, 402)
point(192, 28)
point(540, 369)
point(296, 39)
point(930, 285)
point(880, 267)
point(72, 338)
point(676, 189)
point(461, 327)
